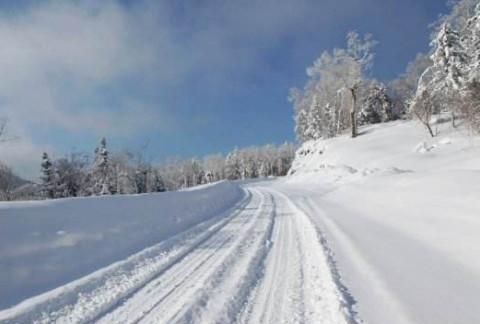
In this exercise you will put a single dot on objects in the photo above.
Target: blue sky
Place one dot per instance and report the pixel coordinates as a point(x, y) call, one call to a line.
point(179, 78)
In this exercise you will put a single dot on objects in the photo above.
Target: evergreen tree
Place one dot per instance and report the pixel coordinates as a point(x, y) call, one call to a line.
point(449, 59)
point(471, 40)
point(101, 172)
point(141, 180)
point(302, 125)
point(377, 107)
point(158, 183)
point(329, 120)
point(48, 177)
point(315, 122)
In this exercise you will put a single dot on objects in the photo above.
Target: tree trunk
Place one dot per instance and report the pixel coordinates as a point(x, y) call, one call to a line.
point(353, 113)
point(427, 124)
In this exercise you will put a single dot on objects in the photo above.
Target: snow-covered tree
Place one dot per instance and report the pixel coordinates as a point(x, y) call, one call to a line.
point(101, 172)
point(471, 39)
point(48, 177)
point(335, 84)
point(70, 175)
point(449, 59)
point(141, 180)
point(158, 183)
point(402, 89)
point(232, 166)
point(423, 107)
point(8, 182)
point(315, 120)
point(215, 165)
point(263, 172)
point(377, 107)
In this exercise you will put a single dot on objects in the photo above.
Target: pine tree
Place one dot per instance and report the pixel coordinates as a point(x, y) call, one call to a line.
point(449, 59)
point(301, 126)
point(471, 40)
point(159, 184)
point(329, 120)
point(377, 107)
point(101, 173)
point(314, 129)
point(48, 177)
point(141, 176)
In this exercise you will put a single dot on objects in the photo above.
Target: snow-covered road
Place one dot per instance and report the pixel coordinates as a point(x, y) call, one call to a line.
point(264, 262)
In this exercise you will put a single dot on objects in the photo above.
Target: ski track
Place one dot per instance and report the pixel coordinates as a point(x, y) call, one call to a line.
point(263, 263)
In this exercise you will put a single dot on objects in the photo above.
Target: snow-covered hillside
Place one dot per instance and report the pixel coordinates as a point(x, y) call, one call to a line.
point(383, 228)
point(401, 212)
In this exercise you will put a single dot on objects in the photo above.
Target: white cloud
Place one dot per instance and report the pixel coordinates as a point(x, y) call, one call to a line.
point(62, 62)
point(54, 59)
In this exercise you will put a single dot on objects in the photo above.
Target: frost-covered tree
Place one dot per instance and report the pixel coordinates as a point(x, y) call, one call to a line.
point(101, 172)
point(315, 120)
point(263, 172)
point(302, 126)
point(70, 175)
point(8, 182)
point(232, 166)
point(448, 83)
point(423, 107)
point(377, 107)
point(471, 40)
point(470, 106)
point(141, 180)
point(215, 167)
point(402, 89)
point(158, 183)
point(449, 59)
point(48, 177)
point(335, 84)
point(360, 52)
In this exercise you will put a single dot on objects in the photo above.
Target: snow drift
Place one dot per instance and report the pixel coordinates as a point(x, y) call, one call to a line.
point(48, 243)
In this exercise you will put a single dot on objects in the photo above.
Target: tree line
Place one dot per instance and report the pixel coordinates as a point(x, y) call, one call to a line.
point(111, 173)
point(340, 94)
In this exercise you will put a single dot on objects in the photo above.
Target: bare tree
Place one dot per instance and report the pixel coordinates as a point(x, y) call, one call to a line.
point(8, 182)
point(423, 108)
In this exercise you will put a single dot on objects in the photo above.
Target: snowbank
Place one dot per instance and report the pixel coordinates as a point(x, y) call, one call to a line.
point(44, 244)
point(401, 211)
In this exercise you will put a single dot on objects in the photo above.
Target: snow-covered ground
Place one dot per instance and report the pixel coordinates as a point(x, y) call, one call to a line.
point(401, 211)
point(44, 244)
point(260, 262)
point(383, 228)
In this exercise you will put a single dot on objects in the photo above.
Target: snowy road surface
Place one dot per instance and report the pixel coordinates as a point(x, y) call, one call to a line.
point(264, 262)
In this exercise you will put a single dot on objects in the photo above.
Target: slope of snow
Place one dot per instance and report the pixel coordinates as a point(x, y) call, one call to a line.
point(401, 213)
point(45, 244)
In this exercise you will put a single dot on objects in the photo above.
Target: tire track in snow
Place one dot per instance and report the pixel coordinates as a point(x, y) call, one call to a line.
point(87, 299)
point(237, 276)
point(313, 296)
point(162, 299)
